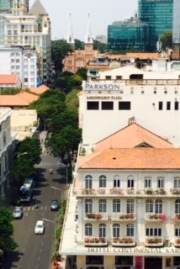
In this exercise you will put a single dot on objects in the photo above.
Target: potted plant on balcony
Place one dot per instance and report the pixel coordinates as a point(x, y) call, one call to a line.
point(90, 216)
point(87, 240)
point(130, 191)
point(102, 240)
point(178, 241)
point(101, 191)
point(116, 191)
point(149, 191)
point(175, 191)
point(154, 240)
point(98, 216)
point(161, 191)
point(163, 217)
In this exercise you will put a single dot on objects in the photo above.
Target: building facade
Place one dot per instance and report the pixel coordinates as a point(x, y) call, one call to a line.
point(31, 29)
point(158, 15)
point(129, 35)
point(123, 209)
point(176, 30)
point(16, 7)
point(20, 61)
point(6, 150)
point(120, 94)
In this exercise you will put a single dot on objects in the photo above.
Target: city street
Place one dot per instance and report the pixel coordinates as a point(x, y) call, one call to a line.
point(35, 251)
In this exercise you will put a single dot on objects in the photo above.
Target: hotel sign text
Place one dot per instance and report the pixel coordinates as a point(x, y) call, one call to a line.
point(135, 250)
point(104, 97)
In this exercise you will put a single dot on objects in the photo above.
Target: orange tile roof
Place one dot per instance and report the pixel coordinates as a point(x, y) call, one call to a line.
point(40, 90)
point(8, 79)
point(136, 158)
point(20, 99)
point(131, 136)
point(133, 55)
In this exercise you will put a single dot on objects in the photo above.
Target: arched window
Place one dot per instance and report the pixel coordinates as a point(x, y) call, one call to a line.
point(116, 182)
point(116, 230)
point(177, 206)
point(102, 181)
point(88, 182)
point(102, 230)
point(88, 205)
point(88, 229)
point(149, 206)
point(130, 206)
point(102, 205)
point(158, 206)
point(130, 182)
point(116, 205)
point(130, 229)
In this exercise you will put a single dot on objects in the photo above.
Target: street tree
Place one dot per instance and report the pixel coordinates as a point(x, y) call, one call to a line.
point(28, 154)
point(101, 47)
point(65, 142)
point(166, 39)
point(72, 101)
point(82, 72)
point(60, 48)
point(7, 242)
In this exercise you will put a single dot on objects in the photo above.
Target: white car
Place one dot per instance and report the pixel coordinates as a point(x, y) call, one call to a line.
point(39, 227)
point(18, 213)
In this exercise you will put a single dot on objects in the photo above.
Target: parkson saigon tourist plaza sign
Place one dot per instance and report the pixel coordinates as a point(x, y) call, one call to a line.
point(101, 86)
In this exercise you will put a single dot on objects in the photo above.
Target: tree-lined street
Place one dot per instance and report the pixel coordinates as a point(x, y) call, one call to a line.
point(35, 251)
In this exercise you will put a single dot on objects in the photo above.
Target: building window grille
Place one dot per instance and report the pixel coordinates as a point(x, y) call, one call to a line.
point(102, 230)
point(88, 205)
point(147, 182)
point(88, 182)
point(177, 206)
point(158, 206)
point(88, 229)
point(116, 205)
point(116, 230)
point(149, 206)
point(153, 232)
point(130, 205)
point(116, 182)
point(130, 229)
point(102, 181)
point(102, 205)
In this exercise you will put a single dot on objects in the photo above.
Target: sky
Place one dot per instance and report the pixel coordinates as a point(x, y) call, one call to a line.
point(102, 13)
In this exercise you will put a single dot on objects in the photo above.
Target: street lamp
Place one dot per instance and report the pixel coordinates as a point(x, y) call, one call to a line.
point(55, 188)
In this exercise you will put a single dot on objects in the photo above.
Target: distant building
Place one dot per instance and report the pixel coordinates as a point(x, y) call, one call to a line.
point(158, 14)
point(32, 28)
point(79, 58)
point(9, 81)
point(6, 149)
point(176, 30)
point(129, 35)
point(22, 62)
point(101, 38)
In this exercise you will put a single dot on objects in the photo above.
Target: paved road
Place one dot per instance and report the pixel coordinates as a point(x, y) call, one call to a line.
point(35, 251)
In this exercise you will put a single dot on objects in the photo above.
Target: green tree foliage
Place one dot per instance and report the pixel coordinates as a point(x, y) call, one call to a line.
point(50, 103)
point(10, 91)
point(6, 230)
point(60, 48)
point(82, 72)
point(62, 81)
point(72, 101)
point(166, 39)
point(79, 45)
point(28, 154)
point(65, 142)
point(101, 47)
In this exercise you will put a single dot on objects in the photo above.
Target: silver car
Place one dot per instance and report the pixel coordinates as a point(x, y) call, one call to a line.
point(18, 213)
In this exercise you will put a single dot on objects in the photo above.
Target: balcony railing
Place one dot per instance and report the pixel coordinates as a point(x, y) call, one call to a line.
point(156, 218)
point(96, 216)
point(126, 192)
point(123, 217)
point(95, 241)
point(154, 242)
point(123, 241)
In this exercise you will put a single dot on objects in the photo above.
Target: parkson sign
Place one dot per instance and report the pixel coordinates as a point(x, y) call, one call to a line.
point(102, 86)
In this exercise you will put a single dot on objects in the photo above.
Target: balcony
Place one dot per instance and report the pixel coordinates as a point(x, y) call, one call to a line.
point(116, 191)
point(123, 241)
point(130, 191)
point(95, 241)
point(175, 191)
point(96, 216)
point(88, 191)
point(159, 191)
point(156, 218)
point(154, 242)
point(176, 218)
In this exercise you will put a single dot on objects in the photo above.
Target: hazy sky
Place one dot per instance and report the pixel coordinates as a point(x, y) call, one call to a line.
point(102, 13)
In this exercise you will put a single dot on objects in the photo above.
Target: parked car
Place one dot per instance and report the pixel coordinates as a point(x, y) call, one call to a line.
point(18, 213)
point(39, 227)
point(54, 205)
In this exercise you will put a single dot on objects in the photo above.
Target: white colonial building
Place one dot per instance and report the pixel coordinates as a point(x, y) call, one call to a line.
point(124, 208)
point(6, 149)
point(114, 97)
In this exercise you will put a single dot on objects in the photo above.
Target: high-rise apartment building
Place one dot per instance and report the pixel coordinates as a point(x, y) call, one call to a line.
point(15, 7)
point(159, 16)
point(176, 29)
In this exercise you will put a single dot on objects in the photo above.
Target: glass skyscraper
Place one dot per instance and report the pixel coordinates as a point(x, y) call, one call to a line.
point(159, 16)
point(176, 29)
point(131, 35)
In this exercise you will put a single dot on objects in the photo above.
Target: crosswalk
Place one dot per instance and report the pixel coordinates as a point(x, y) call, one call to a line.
point(32, 208)
point(45, 164)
